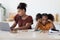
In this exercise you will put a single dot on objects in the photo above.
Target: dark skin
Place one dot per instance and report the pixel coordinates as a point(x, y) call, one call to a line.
point(54, 29)
point(22, 13)
point(13, 26)
point(38, 21)
point(24, 27)
point(44, 22)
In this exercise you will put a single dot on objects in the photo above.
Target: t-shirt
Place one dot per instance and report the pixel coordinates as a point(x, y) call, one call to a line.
point(44, 27)
point(22, 22)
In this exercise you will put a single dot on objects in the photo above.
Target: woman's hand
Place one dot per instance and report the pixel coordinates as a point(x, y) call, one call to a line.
point(14, 30)
point(11, 29)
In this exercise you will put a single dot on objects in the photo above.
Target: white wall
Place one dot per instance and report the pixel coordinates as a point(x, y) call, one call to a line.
point(34, 6)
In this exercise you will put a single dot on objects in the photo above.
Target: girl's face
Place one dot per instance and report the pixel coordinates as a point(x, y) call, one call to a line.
point(21, 12)
point(39, 20)
point(44, 19)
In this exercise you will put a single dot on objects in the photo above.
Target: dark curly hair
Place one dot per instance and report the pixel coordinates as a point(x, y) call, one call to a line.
point(22, 6)
point(51, 17)
point(45, 14)
point(38, 16)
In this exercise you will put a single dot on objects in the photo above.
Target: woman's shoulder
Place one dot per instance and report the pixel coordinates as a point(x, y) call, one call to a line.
point(29, 17)
point(16, 15)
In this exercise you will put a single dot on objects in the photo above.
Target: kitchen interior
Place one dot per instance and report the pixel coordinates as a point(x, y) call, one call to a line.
point(8, 9)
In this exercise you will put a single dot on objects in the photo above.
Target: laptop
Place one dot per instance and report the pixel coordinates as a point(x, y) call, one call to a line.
point(4, 26)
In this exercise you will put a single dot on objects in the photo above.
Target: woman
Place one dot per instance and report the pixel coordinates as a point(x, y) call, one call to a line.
point(51, 19)
point(44, 25)
point(23, 20)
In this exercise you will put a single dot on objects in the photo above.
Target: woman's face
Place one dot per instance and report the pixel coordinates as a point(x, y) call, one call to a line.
point(21, 12)
point(44, 19)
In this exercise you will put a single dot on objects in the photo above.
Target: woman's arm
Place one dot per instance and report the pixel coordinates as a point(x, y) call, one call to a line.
point(13, 26)
point(27, 26)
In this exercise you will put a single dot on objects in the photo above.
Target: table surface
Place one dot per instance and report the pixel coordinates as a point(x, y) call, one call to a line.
point(28, 35)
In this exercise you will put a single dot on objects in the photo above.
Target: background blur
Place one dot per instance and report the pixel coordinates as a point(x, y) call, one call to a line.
point(33, 7)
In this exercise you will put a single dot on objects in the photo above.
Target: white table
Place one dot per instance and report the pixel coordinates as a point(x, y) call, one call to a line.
point(28, 35)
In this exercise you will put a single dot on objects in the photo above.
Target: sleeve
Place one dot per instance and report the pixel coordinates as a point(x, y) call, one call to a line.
point(49, 26)
point(16, 18)
point(30, 20)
